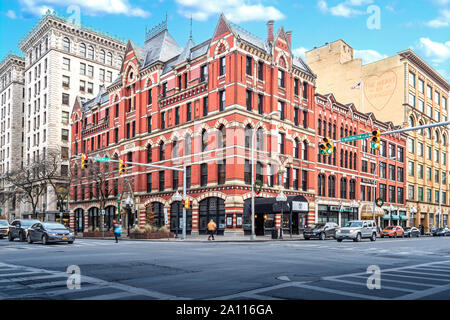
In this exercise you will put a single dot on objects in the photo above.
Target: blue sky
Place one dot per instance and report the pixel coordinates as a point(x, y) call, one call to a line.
point(374, 28)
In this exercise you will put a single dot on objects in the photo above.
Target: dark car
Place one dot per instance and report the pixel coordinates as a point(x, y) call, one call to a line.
point(321, 231)
point(411, 232)
point(4, 228)
point(18, 229)
point(47, 232)
point(441, 232)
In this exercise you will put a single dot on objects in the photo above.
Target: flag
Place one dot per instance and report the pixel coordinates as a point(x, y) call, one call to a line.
point(358, 86)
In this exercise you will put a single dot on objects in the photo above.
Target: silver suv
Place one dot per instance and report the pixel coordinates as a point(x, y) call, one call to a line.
point(357, 230)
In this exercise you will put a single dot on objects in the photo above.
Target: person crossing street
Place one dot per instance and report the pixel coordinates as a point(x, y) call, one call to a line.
point(117, 229)
point(211, 228)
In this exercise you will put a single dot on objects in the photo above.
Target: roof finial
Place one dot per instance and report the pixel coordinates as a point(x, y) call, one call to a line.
point(190, 33)
point(166, 16)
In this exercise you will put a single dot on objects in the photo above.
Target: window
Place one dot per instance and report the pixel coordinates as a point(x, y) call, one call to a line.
point(221, 172)
point(436, 155)
point(412, 79)
point(305, 150)
point(421, 106)
point(204, 140)
point(331, 186)
point(287, 178)
point(419, 193)
point(163, 120)
point(162, 151)
point(188, 112)
point(411, 169)
point(364, 167)
point(429, 111)
point(428, 173)
point(64, 135)
point(420, 149)
point(175, 176)
point(109, 59)
point(400, 154)
point(411, 148)
point(343, 188)
point(222, 66)
point(436, 176)
point(66, 44)
point(249, 100)
point(249, 66)
point(400, 174)
point(187, 144)
point(65, 82)
point(82, 50)
point(66, 64)
point(296, 87)
point(392, 194)
point(382, 170)
point(203, 73)
point(281, 77)
point(421, 86)
point(205, 106)
point(149, 182)
point(102, 74)
point(269, 175)
point(437, 115)
point(222, 100)
point(420, 170)
point(149, 154)
point(65, 99)
point(65, 117)
point(428, 153)
point(444, 103)
point(391, 172)
point(90, 54)
point(248, 136)
point(82, 85)
point(281, 109)
point(149, 124)
point(90, 87)
point(247, 172)
point(429, 195)
point(429, 92)
point(321, 185)
point(90, 71)
point(281, 140)
point(161, 180)
point(177, 115)
point(352, 190)
point(149, 97)
point(437, 97)
point(296, 149)
point(164, 89)
point(411, 195)
point(260, 70)
point(203, 174)
point(222, 138)
point(383, 192)
point(188, 177)
point(412, 100)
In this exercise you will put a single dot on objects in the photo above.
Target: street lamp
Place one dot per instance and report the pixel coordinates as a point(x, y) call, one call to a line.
point(177, 198)
point(253, 236)
point(413, 211)
point(129, 203)
point(118, 207)
point(43, 210)
point(391, 208)
point(281, 197)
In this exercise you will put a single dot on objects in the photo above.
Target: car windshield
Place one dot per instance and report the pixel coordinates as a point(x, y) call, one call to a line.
point(54, 226)
point(354, 224)
point(28, 223)
point(4, 223)
point(317, 226)
point(388, 228)
point(407, 229)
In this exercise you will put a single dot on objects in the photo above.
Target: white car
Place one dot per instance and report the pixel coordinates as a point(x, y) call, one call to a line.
point(357, 230)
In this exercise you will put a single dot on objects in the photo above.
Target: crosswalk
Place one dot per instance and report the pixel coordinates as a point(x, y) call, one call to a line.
point(55, 246)
point(423, 281)
point(21, 282)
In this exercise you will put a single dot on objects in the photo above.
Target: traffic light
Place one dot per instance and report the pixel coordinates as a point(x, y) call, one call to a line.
point(326, 147)
point(186, 204)
point(376, 141)
point(121, 166)
point(84, 162)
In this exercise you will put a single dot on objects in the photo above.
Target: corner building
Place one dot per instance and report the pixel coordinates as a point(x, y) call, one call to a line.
point(197, 106)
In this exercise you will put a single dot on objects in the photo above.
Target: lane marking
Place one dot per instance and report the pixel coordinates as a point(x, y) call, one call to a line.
point(338, 292)
point(111, 296)
point(404, 282)
point(365, 285)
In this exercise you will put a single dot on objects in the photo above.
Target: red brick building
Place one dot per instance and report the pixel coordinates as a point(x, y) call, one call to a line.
point(345, 180)
point(197, 106)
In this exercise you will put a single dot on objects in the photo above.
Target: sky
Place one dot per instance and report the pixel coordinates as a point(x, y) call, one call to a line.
point(374, 28)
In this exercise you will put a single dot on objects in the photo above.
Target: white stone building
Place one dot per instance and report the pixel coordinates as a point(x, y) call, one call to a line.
point(62, 61)
point(11, 124)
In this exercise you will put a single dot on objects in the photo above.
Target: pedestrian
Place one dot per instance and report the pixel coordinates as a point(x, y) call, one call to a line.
point(211, 228)
point(117, 229)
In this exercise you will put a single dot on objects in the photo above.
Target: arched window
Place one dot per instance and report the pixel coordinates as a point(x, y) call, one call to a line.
point(260, 139)
point(248, 136)
point(91, 52)
point(421, 130)
point(305, 150)
point(437, 136)
point(156, 209)
point(175, 149)
point(346, 159)
point(222, 137)
point(296, 148)
point(321, 185)
point(109, 59)
point(93, 218)
point(162, 151)
point(331, 186)
point(428, 130)
point(79, 220)
point(411, 121)
point(83, 50)
point(351, 162)
point(110, 215)
point(66, 44)
point(444, 140)
point(149, 154)
point(259, 171)
point(204, 140)
point(343, 188)
point(211, 208)
point(319, 126)
point(352, 190)
point(102, 56)
point(187, 144)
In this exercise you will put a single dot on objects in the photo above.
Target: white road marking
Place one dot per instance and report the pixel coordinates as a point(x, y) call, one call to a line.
point(398, 281)
point(111, 296)
point(338, 292)
point(364, 284)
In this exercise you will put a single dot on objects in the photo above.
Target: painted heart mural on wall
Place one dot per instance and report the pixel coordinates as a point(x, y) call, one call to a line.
point(380, 87)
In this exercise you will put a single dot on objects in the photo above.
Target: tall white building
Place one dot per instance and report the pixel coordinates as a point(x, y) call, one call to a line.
point(11, 124)
point(62, 61)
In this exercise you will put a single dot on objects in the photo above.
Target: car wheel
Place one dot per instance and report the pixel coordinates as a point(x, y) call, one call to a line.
point(374, 237)
point(29, 239)
point(44, 240)
point(403, 235)
point(306, 238)
point(10, 237)
point(69, 242)
point(22, 237)
point(322, 236)
point(358, 237)
point(395, 235)
point(339, 240)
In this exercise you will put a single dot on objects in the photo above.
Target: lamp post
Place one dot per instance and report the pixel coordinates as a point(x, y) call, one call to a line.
point(129, 204)
point(413, 211)
point(281, 197)
point(177, 197)
point(118, 207)
point(253, 236)
point(43, 210)
point(391, 208)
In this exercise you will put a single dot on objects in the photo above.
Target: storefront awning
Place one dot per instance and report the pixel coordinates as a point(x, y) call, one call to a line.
point(395, 217)
point(386, 217)
point(367, 212)
point(404, 218)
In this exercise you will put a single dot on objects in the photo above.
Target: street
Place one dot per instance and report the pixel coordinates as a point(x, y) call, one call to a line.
point(410, 269)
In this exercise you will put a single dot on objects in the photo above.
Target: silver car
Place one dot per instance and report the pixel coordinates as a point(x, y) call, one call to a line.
point(357, 230)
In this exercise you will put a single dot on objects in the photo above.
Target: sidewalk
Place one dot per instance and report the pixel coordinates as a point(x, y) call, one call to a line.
point(204, 238)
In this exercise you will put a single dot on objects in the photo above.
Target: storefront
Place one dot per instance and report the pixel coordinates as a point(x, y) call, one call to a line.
point(331, 214)
point(211, 209)
point(367, 213)
point(176, 218)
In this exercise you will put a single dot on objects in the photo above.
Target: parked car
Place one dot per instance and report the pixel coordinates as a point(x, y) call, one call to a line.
point(4, 228)
point(392, 231)
point(441, 232)
point(357, 230)
point(411, 232)
point(47, 232)
point(19, 227)
point(321, 231)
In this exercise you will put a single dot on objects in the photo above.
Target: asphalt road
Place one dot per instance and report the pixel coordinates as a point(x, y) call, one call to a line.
point(410, 269)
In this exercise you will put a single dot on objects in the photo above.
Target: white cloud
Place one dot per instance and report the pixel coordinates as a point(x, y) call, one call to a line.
point(344, 9)
point(300, 52)
point(437, 52)
point(11, 14)
point(443, 20)
point(235, 10)
point(87, 7)
point(369, 56)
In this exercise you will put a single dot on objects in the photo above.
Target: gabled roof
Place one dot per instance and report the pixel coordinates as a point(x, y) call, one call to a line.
point(161, 47)
point(102, 97)
point(186, 53)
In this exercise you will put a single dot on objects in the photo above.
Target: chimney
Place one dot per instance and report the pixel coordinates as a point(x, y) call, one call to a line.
point(270, 30)
point(289, 37)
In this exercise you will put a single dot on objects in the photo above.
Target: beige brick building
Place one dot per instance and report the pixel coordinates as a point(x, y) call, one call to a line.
point(406, 90)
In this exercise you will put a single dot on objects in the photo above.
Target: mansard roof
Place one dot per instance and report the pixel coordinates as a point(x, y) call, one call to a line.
point(101, 98)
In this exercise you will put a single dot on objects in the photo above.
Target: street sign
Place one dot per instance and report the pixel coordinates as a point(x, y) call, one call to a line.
point(102, 159)
point(356, 137)
point(103, 212)
point(299, 206)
